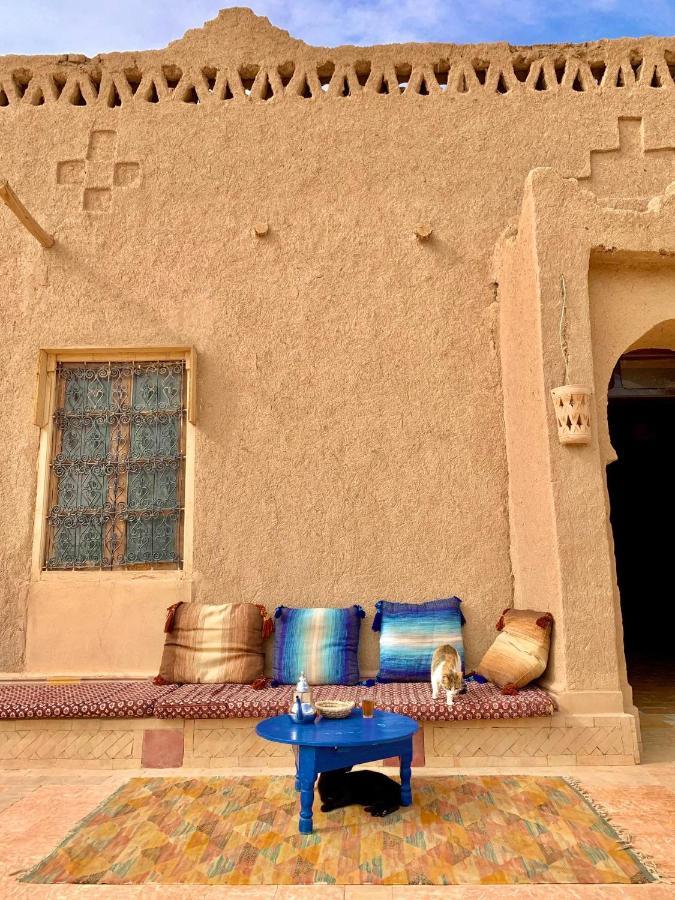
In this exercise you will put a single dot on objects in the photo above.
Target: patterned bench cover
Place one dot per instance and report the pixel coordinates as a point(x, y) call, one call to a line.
point(81, 700)
point(143, 699)
point(239, 701)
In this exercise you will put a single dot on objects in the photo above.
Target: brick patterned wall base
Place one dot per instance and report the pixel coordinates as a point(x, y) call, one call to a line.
point(558, 741)
point(562, 740)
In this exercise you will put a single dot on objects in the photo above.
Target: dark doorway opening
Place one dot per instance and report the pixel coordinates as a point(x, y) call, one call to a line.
point(641, 484)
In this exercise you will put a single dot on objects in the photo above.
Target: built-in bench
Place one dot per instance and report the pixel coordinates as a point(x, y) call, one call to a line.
point(128, 724)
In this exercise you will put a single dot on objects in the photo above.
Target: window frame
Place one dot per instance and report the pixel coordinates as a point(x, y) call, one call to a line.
point(45, 399)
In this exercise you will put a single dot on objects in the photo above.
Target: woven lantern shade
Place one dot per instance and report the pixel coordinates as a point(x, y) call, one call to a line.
point(572, 405)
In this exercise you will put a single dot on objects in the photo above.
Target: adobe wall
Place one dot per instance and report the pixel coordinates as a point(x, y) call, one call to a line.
point(350, 437)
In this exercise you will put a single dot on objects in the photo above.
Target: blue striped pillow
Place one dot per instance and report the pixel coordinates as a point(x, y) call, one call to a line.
point(410, 632)
point(322, 643)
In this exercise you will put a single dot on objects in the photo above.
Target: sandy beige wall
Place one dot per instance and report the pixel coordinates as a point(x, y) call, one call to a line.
point(350, 442)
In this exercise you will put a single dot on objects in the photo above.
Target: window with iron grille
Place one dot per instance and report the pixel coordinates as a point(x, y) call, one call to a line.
point(116, 483)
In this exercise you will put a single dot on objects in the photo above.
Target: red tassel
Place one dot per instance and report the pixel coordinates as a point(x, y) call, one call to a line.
point(545, 620)
point(501, 622)
point(159, 680)
point(170, 616)
point(509, 690)
point(259, 684)
point(268, 622)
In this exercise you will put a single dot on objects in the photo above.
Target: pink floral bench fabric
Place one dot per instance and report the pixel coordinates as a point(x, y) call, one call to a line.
point(238, 701)
point(81, 700)
point(143, 699)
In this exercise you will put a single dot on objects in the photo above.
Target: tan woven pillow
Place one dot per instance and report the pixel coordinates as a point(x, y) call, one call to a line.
point(208, 643)
point(519, 653)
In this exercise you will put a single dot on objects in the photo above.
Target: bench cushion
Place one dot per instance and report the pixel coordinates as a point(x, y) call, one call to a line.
point(237, 701)
point(81, 700)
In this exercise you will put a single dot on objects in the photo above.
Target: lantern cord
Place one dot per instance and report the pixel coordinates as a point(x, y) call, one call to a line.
point(564, 349)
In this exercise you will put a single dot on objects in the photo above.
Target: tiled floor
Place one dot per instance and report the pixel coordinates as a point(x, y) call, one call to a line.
point(37, 809)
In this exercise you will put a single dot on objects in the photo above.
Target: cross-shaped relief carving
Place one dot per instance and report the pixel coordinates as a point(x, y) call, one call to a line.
point(99, 172)
point(630, 171)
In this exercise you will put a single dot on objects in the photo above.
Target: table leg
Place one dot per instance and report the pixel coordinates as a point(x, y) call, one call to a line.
point(406, 762)
point(306, 776)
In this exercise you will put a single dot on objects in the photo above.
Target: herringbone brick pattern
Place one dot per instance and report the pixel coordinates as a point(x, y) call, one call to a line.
point(234, 742)
point(29, 745)
point(522, 742)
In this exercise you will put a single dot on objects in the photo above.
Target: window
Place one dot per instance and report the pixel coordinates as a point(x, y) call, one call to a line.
point(117, 468)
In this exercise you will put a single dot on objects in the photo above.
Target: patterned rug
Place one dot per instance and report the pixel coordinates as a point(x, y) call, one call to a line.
point(460, 830)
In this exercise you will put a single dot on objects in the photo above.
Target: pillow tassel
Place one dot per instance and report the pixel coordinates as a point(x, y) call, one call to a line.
point(377, 621)
point(509, 690)
point(360, 611)
point(501, 622)
point(170, 617)
point(278, 611)
point(268, 621)
point(545, 620)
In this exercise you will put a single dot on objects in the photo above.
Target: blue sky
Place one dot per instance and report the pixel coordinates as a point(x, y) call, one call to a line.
point(83, 26)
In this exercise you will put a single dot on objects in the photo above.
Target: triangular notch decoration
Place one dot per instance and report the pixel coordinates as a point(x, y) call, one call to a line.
point(304, 89)
point(76, 96)
point(113, 99)
point(598, 70)
point(266, 90)
point(502, 86)
point(383, 86)
point(190, 95)
point(656, 81)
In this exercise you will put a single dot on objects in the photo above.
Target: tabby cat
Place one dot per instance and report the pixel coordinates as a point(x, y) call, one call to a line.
point(446, 673)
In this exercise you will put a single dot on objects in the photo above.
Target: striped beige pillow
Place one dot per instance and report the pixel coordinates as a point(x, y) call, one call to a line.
point(519, 653)
point(214, 643)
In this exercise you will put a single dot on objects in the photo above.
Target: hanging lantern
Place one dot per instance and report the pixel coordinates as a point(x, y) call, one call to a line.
point(572, 405)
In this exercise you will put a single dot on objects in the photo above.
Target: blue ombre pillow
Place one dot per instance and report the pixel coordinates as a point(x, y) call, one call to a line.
point(322, 643)
point(410, 632)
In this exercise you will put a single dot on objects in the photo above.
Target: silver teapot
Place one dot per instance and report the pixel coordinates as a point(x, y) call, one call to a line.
point(302, 711)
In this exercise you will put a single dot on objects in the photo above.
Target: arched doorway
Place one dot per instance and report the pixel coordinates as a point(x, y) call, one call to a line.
point(641, 487)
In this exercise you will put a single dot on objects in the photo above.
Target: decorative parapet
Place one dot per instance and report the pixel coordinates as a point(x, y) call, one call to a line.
point(240, 58)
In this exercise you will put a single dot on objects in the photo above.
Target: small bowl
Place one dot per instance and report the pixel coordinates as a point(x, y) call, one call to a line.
point(335, 709)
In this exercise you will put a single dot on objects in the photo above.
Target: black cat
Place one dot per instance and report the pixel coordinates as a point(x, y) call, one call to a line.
point(379, 794)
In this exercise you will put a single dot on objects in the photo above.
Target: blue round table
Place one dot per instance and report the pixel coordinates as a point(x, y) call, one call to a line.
point(329, 744)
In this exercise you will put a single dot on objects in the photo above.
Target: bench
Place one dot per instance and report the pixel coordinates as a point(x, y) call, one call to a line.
point(129, 724)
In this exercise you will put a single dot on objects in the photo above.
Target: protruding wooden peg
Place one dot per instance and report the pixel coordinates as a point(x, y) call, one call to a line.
point(260, 229)
point(423, 232)
point(10, 200)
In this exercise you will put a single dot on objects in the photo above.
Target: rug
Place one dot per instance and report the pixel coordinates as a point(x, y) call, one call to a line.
point(491, 829)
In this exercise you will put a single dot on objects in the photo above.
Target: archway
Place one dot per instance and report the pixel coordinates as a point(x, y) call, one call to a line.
point(641, 490)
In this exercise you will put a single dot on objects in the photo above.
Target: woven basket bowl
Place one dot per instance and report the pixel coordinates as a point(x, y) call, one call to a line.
point(335, 709)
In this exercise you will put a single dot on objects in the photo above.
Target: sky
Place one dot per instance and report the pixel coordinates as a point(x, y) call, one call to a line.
point(98, 26)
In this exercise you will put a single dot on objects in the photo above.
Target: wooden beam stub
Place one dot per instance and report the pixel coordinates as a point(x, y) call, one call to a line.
point(10, 200)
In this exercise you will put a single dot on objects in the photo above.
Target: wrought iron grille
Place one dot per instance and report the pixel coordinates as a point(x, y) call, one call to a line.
point(118, 466)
